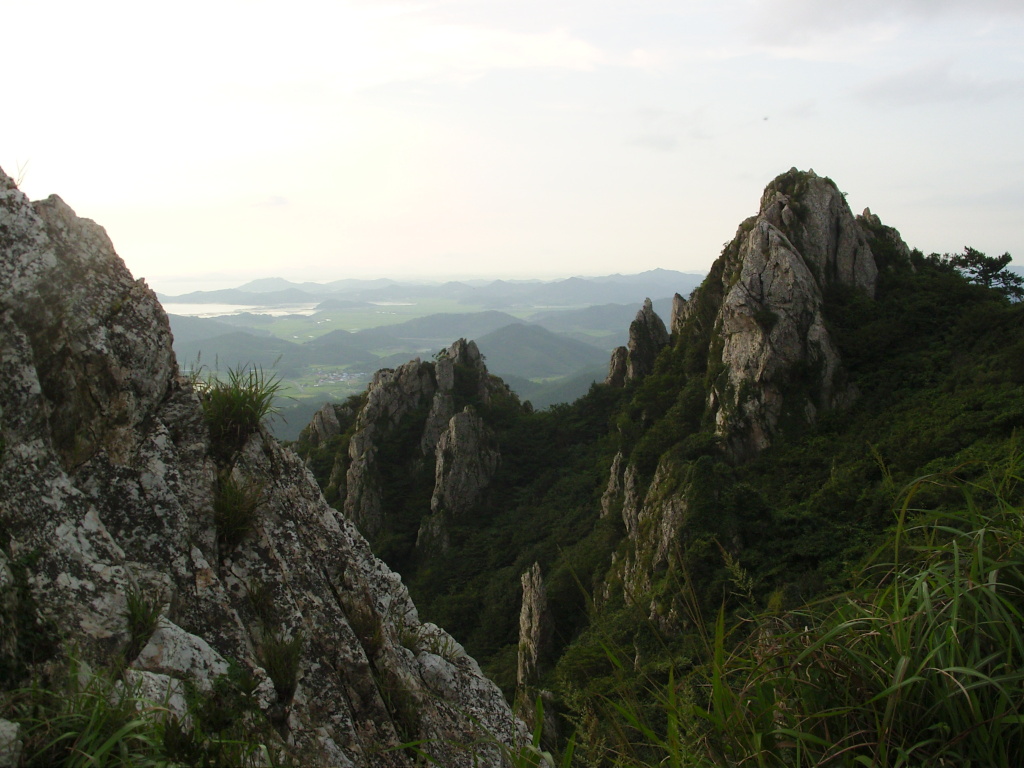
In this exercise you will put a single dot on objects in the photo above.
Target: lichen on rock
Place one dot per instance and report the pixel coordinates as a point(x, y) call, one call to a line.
point(108, 477)
point(777, 362)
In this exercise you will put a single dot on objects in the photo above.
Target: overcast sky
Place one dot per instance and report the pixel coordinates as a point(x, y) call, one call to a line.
point(321, 139)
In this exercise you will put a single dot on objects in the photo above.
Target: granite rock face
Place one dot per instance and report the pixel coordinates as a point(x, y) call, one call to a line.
point(109, 484)
point(324, 425)
point(755, 334)
point(647, 337)
point(534, 627)
point(617, 367)
point(393, 395)
point(680, 311)
point(466, 460)
point(778, 362)
point(429, 406)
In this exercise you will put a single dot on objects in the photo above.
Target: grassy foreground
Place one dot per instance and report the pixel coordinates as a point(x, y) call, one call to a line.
point(920, 663)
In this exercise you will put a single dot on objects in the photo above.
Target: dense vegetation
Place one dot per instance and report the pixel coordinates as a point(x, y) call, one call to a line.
point(937, 359)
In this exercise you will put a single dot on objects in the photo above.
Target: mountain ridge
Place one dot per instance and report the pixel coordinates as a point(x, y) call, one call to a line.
point(745, 460)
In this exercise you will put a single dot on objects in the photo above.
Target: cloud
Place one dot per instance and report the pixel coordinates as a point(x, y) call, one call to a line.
point(810, 29)
point(274, 201)
point(659, 143)
point(934, 83)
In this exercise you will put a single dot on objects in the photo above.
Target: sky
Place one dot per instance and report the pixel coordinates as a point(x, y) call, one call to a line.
point(224, 140)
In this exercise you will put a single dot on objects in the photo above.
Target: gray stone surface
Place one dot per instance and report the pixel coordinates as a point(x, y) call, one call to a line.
point(10, 744)
point(771, 359)
point(647, 337)
point(780, 362)
point(534, 627)
point(108, 477)
point(459, 445)
point(467, 457)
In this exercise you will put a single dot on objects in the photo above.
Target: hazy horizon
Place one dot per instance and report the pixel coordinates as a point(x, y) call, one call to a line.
point(356, 138)
point(223, 281)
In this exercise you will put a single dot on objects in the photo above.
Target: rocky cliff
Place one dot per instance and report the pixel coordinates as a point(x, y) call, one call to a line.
point(778, 359)
point(759, 362)
point(758, 318)
point(647, 337)
point(634, 484)
point(418, 453)
point(115, 495)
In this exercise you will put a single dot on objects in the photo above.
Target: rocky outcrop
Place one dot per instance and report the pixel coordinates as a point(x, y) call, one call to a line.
point(109, 485)
point(534, 627)
point(680, 311)
point(885, 242)
point(324, 425)
point(617, 367)
point(655, 523)
point(647, 337)
point(394, 395)
point(755, 333)
point(613, 491)
point(466, 460)
point(777, 363)
point(467, 457)
point(427, 418)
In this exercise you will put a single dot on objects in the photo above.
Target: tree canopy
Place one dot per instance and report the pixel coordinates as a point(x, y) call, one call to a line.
point(989, 271)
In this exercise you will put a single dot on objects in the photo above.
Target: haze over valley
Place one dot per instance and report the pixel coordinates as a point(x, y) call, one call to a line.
point(548, 339)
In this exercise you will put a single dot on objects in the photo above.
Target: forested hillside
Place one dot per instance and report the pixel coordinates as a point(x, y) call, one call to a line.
point(640, 554)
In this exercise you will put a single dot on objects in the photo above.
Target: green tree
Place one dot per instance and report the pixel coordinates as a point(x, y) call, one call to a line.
point(989, 271)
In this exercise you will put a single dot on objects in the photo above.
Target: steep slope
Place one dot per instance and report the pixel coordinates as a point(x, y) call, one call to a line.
point(412, 455)
point(531, 351)
point(116, 492)
point(746, 459)
point(777, 360)
point(821, 366)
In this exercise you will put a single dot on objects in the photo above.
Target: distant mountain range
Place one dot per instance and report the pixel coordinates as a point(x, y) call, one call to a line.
point(549, 351)
point(496, 294)
point(511, 346)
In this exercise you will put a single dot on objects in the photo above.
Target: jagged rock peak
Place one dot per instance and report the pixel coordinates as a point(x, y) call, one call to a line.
point(617, 367)
point(462, 352)
point(100, 338)
point(887, 245)
point(108, 475)
point(818, 221)
point(534, 626)
point(323, 426)
point(647, 337)
point(771, 279)
point(426, 400)
point(467, 458)
point(680, 311)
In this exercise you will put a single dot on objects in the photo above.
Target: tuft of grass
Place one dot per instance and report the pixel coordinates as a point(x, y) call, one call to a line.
point(235, 408)
point(91, 720)
point(142, 614)
point(280, 657)
point(261, 600)
point(922, 663)
point(234, 509)
point(369, 629)
point(94, 719)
